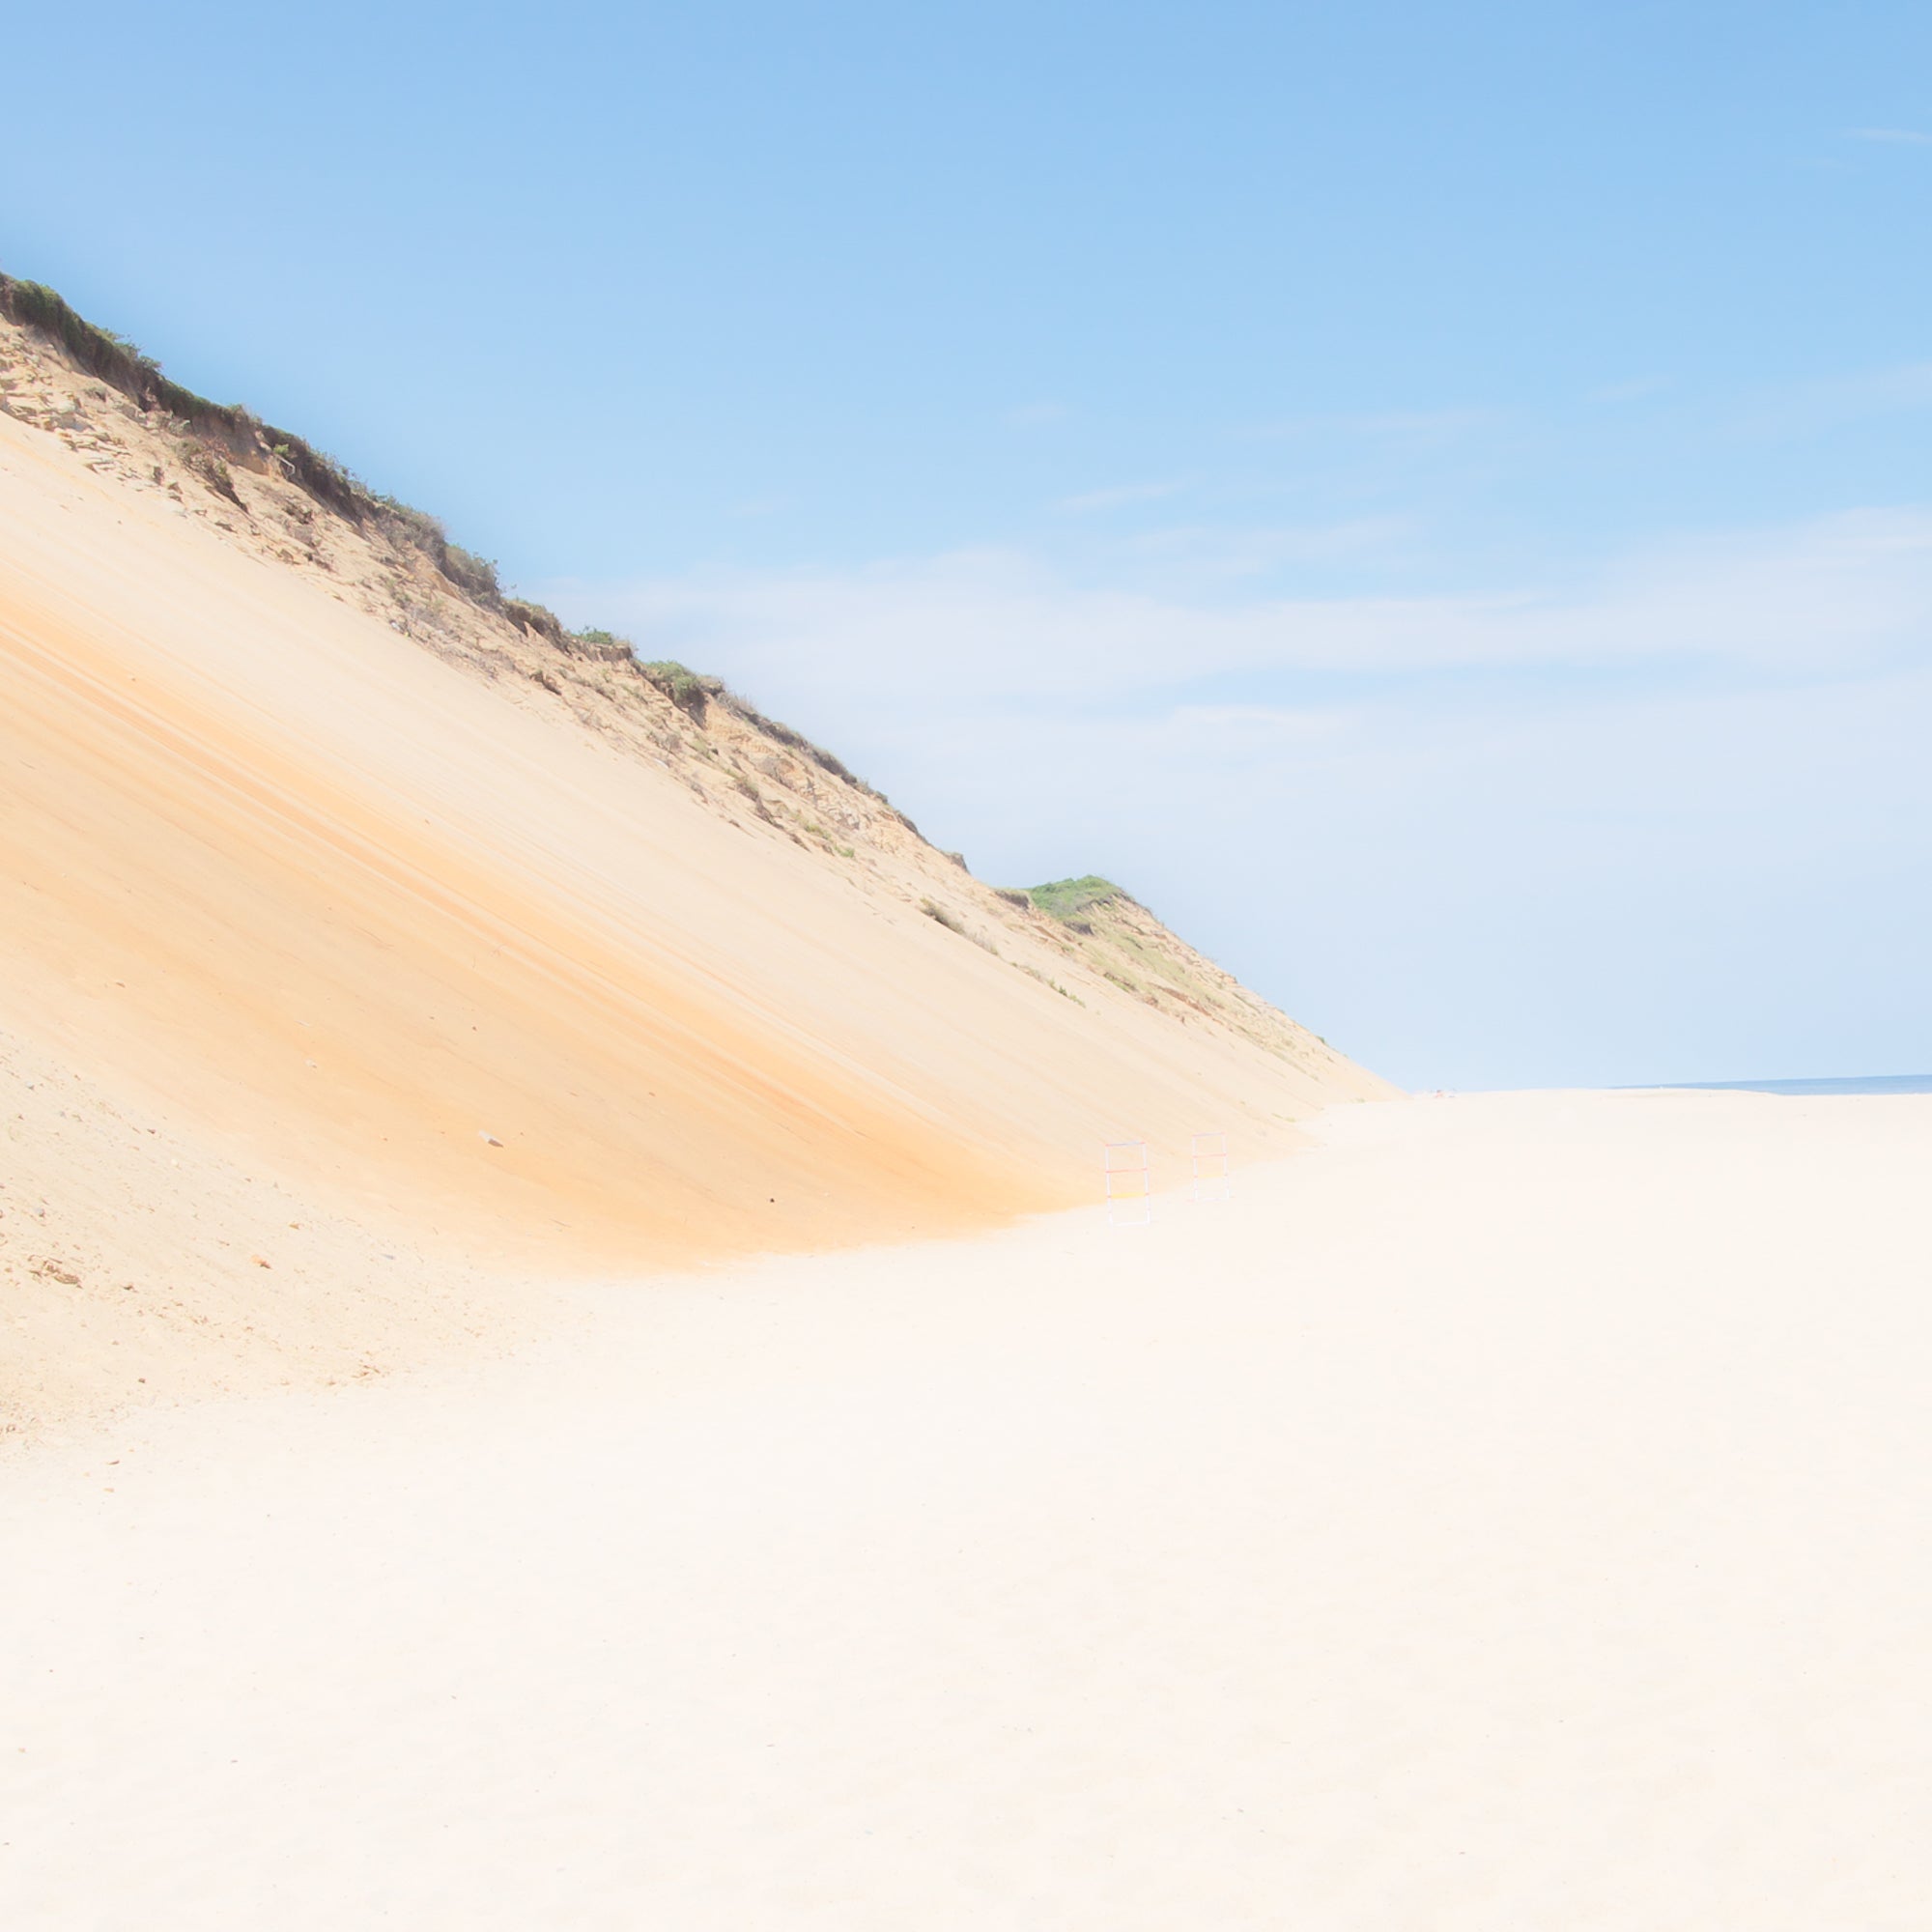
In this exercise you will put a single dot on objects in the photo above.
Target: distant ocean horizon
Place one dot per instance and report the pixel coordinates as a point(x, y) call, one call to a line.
point(1874, 1083)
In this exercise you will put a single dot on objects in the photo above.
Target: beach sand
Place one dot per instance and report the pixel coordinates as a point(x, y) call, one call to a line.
point(1509, 1515)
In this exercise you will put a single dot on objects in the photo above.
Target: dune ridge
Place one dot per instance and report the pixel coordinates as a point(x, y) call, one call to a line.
point(374, 887)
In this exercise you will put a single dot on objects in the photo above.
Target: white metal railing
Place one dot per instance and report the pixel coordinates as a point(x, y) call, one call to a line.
point(1213, 1179)
point(1129, 1183)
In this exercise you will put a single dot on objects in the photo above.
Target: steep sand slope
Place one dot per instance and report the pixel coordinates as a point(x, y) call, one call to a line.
point(438, 951)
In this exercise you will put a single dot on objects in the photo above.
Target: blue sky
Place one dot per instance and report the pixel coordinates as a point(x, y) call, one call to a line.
point(1434, 499)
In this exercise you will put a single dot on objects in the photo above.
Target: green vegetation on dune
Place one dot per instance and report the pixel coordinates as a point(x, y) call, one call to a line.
point(216, 440)
point(1068, 898)
point(1120, 946)
point(688, 690)
point(217, 435)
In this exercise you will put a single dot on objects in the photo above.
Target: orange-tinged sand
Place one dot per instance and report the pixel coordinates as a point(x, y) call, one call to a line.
point(372, 926)
point(373, 989)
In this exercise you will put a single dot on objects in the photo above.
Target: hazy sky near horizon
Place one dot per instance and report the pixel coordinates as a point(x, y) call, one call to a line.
point(1434, 499)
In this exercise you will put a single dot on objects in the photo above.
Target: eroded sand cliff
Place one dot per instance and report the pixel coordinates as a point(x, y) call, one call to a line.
point(475, 942)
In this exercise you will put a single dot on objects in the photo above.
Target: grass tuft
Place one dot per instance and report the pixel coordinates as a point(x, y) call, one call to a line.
point(536, 621)
point(689, 692)
point(1034, 973)
point(208, 464)
point(230, 434)
point(1068, 899)
point(934, 910)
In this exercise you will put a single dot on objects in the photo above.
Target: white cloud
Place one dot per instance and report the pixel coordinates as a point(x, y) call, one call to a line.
point(1409, 429)
point(995, 627)
point(1630, 391)
point(1202, 556)
point(1425, 425)
point(1811, 406)
point(1470, 880)
point(1119, 497)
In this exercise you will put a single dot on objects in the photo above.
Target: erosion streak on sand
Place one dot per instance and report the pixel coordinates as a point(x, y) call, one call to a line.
point(625, 1103)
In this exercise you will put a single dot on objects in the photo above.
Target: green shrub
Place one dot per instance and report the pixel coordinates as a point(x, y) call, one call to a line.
point(231, 433)
point(683, 686)
point(470, 573)
point(535, 621)
point(205, 463)
point(1068, 899)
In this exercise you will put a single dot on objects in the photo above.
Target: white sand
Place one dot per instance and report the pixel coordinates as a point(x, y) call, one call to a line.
point(1511, 1516)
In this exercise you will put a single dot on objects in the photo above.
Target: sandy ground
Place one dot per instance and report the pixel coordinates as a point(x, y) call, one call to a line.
point(1510, 1514)
point(139, 1267)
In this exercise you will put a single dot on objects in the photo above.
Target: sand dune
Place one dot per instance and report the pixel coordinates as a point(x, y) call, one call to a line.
point(1510, 1514)
point(745, 1506)
point(488, 949)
